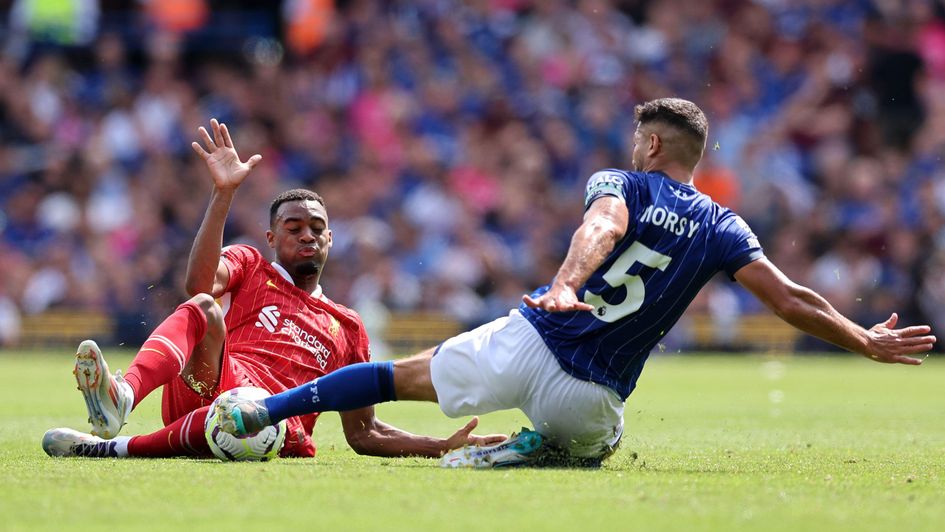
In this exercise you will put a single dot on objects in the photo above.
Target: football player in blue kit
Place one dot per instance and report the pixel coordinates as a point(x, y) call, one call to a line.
point(571, 354)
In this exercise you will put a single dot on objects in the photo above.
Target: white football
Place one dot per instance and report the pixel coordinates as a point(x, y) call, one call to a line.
point(259, 447)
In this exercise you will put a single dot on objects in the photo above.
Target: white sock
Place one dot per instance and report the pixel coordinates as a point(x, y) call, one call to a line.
point(128, 390)
point(121, 445)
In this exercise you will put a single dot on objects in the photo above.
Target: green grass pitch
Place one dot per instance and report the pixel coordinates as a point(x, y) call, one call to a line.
point(711, 443)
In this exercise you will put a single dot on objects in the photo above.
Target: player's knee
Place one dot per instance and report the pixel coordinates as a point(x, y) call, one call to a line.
point(210, 309)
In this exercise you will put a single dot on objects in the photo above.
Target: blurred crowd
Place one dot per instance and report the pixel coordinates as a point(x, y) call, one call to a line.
point(451, 141)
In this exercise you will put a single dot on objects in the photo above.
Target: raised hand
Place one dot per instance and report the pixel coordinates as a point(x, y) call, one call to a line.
point(558, 298)
point(224, 163)
point(464, 436)
point(890, 346)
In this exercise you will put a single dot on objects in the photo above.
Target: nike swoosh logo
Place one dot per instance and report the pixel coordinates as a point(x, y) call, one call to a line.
point(270, 283)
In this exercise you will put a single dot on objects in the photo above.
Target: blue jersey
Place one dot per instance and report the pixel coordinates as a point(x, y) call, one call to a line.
point(677, 239)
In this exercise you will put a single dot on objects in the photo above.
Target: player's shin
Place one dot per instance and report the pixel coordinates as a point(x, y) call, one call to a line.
point(349, 388)
point(183, 437)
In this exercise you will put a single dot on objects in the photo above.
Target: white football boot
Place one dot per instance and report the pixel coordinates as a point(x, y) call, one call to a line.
point(108, 397)
point(68, 442)
point(519, 450)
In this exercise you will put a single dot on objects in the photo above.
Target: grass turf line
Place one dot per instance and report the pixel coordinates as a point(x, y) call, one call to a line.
point(712, 443)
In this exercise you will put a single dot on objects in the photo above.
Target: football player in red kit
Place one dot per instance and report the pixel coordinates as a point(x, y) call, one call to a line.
point(249, 323)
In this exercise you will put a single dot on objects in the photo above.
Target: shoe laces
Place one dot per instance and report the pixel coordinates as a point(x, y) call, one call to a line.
point(99, 449)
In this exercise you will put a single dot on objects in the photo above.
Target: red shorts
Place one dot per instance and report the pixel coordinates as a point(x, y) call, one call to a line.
point(180, 399)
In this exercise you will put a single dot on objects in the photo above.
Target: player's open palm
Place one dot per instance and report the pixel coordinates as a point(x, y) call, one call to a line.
point(227, 170)
point(892, 346)
point(464, 436)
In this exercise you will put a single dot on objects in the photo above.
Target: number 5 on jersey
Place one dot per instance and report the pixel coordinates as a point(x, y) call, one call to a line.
point(618, 276)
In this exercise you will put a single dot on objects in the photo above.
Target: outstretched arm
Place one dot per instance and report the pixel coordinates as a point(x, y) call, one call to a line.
point(370, 436)
point(205, 272)
point(810, 312)
point(605, 223)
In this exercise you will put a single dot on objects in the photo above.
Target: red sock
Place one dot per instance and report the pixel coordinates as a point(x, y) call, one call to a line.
point(183, 437)
point(163, 355)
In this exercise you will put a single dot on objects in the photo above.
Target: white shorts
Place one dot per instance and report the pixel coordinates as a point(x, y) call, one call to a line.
point(506, 364)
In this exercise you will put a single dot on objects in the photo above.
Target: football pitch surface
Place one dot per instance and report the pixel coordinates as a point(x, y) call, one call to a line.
point(711, 443)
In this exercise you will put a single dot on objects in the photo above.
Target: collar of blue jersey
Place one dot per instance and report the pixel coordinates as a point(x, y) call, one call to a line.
point(317, 293)
point(671, 180)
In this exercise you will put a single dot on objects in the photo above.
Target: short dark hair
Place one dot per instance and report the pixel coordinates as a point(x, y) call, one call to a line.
point(296, 194)
point(681, 115)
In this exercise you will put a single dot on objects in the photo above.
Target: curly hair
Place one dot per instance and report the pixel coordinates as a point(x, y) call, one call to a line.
point(296, 194)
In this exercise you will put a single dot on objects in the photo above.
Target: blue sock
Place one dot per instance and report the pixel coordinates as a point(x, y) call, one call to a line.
point(348, 388)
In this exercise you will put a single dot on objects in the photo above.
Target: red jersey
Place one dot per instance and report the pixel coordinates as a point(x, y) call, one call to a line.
point(278, 336)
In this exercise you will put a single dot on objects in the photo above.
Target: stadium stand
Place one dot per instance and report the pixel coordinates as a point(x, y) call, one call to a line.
point(452, 139)
point(56, 328)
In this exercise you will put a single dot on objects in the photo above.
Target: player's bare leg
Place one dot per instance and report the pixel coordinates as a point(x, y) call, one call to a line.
point(412, 381)
point(202, 370)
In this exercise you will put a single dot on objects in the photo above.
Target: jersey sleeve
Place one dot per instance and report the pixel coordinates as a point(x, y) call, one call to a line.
point(360, 344)
point(606, 183)
point(741, 244)
point(239, 259)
